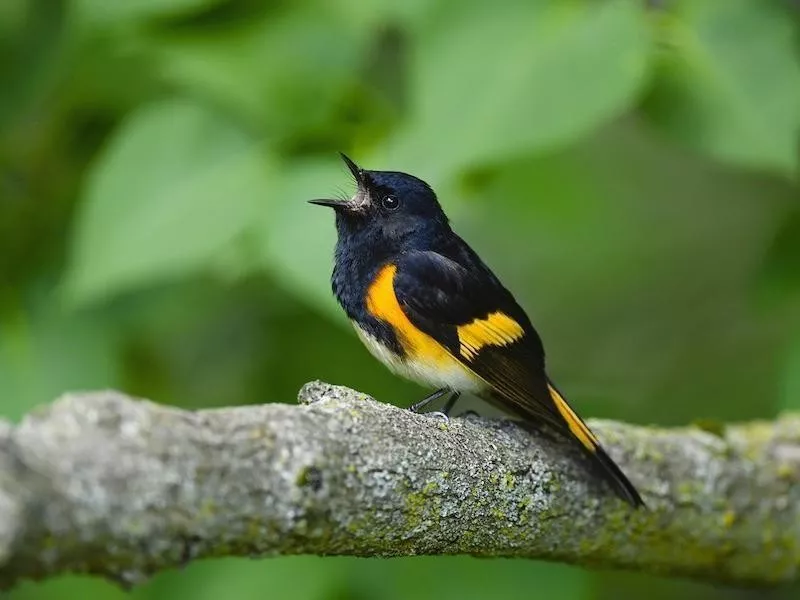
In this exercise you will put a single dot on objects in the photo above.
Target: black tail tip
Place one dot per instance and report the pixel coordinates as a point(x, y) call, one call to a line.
point(618, 480)
point(632, 497)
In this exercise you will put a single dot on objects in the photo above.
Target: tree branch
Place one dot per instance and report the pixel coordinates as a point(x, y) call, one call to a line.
point(104, 484)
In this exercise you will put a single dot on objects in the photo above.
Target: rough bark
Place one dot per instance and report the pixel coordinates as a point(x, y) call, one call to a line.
point(102, 483)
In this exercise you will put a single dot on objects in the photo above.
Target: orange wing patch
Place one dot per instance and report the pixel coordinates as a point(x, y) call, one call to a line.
point(574, 422)
point(382, 304)
point(498, 329)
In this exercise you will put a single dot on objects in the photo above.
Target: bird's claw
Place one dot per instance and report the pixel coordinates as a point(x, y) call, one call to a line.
point(438, 415)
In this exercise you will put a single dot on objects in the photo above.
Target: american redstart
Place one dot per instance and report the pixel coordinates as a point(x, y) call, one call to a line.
point(428, 308)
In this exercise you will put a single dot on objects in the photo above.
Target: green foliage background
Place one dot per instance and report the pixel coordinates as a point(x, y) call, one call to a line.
point(629, 168)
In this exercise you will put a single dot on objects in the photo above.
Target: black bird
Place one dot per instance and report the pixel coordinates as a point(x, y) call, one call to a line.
point(428, 307)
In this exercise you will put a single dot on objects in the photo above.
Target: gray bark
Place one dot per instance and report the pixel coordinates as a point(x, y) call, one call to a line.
point(119, 487)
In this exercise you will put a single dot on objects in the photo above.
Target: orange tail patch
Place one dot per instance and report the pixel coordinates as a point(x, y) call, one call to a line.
point(576, 425)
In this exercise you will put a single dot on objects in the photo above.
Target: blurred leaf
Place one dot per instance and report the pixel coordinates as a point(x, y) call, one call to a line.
point(282, 72)
point(176, 186)
point(103, 13)
point(552, 72)
point(730, 85)
point(45, 352)
point(299, 238)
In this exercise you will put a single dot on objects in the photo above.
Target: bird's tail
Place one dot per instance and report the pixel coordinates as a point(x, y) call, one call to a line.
point(607, 468)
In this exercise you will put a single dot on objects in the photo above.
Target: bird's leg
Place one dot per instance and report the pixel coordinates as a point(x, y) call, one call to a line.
point(417, 406)
point(451, 402)
point(444, 414)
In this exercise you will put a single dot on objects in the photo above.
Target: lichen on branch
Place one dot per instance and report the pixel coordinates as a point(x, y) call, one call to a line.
point(120, 487)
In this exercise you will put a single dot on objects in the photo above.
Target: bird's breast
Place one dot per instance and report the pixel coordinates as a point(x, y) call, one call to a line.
point(435, 369)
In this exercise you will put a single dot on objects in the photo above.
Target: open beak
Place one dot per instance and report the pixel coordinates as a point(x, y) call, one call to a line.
point(358, 174)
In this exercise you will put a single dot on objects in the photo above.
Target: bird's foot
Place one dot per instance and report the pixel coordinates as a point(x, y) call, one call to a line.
point(438, 415)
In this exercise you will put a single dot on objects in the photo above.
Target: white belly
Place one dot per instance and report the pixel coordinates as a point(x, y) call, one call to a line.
point(450, 375)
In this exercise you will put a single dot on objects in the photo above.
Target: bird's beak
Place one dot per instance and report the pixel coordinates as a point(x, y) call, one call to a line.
point(329, 202)
point(358, 174)
point(357, 171)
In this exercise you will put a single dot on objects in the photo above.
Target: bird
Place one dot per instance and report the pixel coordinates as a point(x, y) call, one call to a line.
point(425, 305)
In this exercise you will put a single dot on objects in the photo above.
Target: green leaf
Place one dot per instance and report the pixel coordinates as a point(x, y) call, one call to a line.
point(175, 187)
point(102, 12)
point(553, 72)
point(730, 85)
point(282, 72)
point(299, 238)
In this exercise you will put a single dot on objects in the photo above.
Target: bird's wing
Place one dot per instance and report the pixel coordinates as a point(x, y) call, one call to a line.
point(481, 325)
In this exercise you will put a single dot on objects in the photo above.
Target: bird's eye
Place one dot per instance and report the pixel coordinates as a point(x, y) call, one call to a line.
point(390, 203)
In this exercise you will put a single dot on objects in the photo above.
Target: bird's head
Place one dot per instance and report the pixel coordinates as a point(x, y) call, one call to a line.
point(390, 204)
